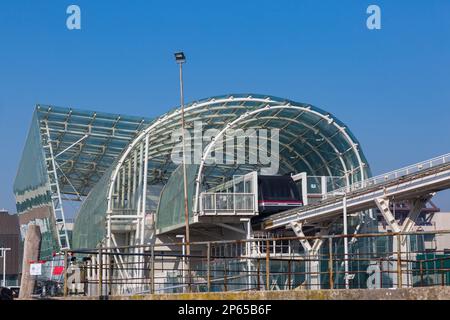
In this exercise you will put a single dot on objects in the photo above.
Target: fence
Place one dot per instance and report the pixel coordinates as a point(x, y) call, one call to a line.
point(373, 261)
point(423, 166)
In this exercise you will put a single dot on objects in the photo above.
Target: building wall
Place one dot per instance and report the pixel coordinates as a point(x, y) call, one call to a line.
point(440, 222)
point(10, 238)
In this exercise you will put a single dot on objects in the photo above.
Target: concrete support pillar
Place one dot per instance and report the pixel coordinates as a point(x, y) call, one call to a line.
point(313, 269)
point(30, 253)
point(401, 244)
point(312, 264)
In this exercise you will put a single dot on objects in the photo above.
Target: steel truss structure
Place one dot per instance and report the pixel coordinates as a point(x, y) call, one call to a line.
point(86, 143)
point(66, 154)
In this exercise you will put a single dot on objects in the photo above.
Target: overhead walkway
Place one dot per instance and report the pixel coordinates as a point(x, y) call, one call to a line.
point(411, 183)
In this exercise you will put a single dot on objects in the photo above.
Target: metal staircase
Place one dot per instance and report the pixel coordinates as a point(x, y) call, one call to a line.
point(57, 206)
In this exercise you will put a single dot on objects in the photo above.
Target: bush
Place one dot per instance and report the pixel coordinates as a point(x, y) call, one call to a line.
point(6, 294)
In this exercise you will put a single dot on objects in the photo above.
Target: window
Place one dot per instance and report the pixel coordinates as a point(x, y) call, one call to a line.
point(279, 188)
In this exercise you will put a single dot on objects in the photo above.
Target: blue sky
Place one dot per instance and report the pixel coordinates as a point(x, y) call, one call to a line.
point(390, 86)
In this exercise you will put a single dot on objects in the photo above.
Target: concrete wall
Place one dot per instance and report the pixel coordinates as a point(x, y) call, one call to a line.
point(435, 293)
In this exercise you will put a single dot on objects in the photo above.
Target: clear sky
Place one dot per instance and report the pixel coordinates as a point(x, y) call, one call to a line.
point(390, 86)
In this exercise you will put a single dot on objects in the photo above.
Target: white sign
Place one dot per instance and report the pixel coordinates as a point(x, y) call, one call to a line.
point(350, 276)
point(36, 269)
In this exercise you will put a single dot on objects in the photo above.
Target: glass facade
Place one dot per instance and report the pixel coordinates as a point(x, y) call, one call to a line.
point(84, 145)
point(91, 146)
point(310, 139)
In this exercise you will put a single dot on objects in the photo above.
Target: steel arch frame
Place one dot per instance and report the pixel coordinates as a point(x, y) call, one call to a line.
point(270, 104)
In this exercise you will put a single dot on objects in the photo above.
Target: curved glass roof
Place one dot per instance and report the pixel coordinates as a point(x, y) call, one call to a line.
point(311, 139)
point(85, 143)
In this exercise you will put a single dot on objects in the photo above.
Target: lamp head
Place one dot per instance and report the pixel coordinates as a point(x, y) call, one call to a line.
point(180, 57)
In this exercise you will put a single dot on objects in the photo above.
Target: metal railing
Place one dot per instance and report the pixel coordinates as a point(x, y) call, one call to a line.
point(374, 261)
point(394, 175)
point(227, 204)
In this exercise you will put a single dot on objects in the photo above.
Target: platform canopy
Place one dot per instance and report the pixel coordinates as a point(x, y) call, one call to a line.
point(85, 145)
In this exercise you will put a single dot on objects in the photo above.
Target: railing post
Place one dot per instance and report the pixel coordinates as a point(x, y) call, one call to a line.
point(330, 262)
point(289, 274)
point(399, 262)
point(208, 263)
point(100, 272)
point(267, 265)
point(110, 273)
point(258, 273)
point(381, 272)
point(214, 202)
point(66, 265)
point(421, 273)
point(152, 269)
point(225, 275)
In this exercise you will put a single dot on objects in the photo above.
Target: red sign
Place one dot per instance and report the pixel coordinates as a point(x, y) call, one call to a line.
point(57, 271)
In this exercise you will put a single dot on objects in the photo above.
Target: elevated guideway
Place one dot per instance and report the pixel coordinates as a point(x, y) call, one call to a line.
point(413, 182)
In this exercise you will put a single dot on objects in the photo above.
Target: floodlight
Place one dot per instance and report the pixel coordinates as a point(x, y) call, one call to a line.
point(180, 57)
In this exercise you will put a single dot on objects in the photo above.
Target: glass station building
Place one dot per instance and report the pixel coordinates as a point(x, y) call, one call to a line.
point(121, 173)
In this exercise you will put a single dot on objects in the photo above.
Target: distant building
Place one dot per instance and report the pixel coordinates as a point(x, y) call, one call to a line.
point(440, 221)
point(10, 238)
point(401, 210)
point(431, 219)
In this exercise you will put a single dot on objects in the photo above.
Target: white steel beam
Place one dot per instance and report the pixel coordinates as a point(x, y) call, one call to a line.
point(383, 206)
point(416, 208)
point(72, 145)
point(297, 227)
point(312, 275)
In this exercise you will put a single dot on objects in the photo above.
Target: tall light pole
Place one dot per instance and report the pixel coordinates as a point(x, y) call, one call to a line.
point(180, 59)
point(345, 216)
point(345, 234)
